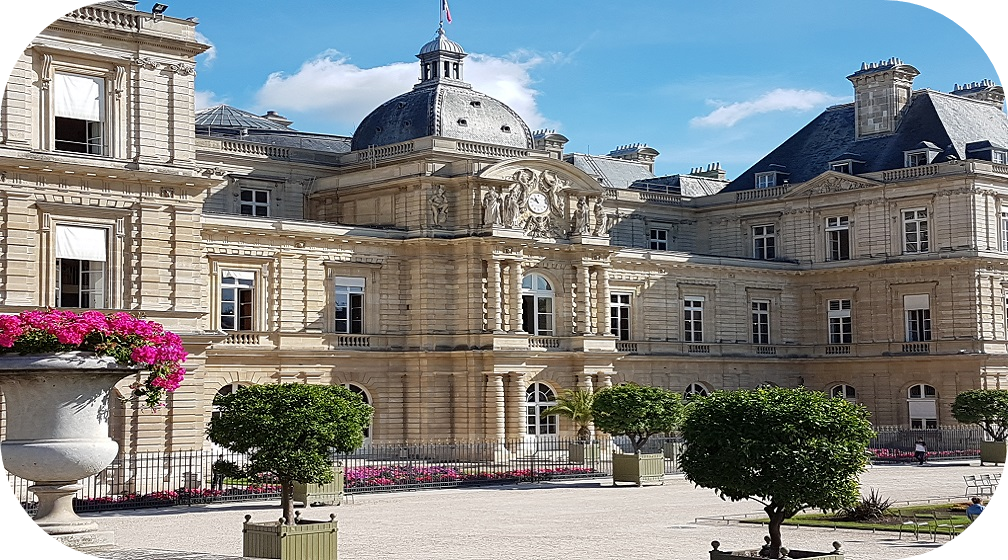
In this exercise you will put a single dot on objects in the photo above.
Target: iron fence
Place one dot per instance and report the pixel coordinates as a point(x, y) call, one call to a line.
point(157, 479)
point(896, 443)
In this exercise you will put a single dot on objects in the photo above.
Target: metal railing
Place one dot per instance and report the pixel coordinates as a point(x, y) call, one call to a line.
point(893, 444)
point(160, 479)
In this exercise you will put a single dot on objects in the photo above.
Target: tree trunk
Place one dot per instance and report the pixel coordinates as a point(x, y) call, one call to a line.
point(287, 500)
point(776, 520)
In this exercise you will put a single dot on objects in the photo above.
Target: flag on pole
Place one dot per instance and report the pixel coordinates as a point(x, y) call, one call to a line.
point(444, 6)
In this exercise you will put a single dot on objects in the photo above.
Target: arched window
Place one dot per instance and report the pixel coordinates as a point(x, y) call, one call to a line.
point(537, 305)
point(844, 392)
point(922, 403)
point(367, 400)
point(695, 389)
point(225, 390)
point(539, 397)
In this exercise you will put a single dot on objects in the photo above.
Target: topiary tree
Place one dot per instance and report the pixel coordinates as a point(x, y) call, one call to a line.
point(577, 406)
point(636, 411)
point(987, 408)
point(789, 449)
point(289, 430)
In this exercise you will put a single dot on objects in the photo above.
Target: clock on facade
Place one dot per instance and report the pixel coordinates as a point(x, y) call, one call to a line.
point(537, 203)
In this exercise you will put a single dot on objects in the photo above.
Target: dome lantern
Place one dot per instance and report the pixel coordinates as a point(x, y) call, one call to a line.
point(441, 61)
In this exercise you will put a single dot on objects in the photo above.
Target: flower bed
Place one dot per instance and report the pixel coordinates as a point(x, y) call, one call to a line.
point(395, 477)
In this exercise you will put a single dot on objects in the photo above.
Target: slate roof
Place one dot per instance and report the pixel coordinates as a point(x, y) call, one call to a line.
point(683, 185)
point(614, 172)
point(945, 120)
point(224, 121)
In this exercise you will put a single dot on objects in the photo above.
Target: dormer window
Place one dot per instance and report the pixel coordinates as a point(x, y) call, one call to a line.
point(766, 180)
point(998, 156)
point(463, 122)
point(845, 167)
point(506, 129)
point(922, 154)
point(476, 103)
point(916, 159)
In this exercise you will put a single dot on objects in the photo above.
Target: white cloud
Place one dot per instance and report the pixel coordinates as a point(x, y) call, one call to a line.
point(206, 99)
point(776, 100)
point(209, 55)
point(338, 91)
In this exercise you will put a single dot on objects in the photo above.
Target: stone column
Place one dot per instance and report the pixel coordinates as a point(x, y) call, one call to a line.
point(495, 407)
point(516, 428)
point(583, 299)
point(604, 379)
point(604, 311)
point(494, 307)
point(516, 297)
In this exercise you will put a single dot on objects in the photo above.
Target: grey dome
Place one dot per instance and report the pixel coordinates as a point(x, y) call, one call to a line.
point(442, 104)
point(442, 109)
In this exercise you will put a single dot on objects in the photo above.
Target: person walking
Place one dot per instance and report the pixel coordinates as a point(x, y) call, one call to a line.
point(920, 451)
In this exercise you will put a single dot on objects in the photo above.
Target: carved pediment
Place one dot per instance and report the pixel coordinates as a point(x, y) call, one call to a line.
point(832, 182)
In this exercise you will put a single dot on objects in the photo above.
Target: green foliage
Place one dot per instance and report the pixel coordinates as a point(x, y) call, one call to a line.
point(872, 507)
point(789, 449)
point(289, 430)
point(987, 408)
point(577, 406)
point(637, 411)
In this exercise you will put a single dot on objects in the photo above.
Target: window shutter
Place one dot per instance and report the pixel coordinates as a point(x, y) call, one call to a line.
point(916, 301)
point(81, 243)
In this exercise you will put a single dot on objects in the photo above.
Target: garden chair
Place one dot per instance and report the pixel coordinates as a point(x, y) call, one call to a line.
point(913, 523)
point(988, 482)
point(943, 520)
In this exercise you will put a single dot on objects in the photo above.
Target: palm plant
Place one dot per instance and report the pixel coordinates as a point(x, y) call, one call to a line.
point(575, 404)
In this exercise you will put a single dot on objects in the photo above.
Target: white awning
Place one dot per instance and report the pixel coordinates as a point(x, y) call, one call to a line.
point(78, 97)
point(923, 408)
point(238, 274)
point(81, 243)
point(916, 301)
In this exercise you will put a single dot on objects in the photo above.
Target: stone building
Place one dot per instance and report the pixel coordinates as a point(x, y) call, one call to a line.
point(460, 270)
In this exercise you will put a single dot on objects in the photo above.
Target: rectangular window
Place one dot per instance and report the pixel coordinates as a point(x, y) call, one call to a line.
point(764, 242)
point(619, 316)
point(918, 317)
point(915, 231)
point(693, 319)
point(766, 180)
point(236, 312)
point(916, 159)
point(81, 257)
point(79, 110)
point(254, 202)
point(659, 239)
point(839, 316)
point(997, 156)
point(761, 322)
point(1004, 230)
point(349, 298)
point(838, 238)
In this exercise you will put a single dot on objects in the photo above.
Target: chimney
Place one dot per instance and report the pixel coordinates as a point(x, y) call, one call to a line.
point(881, 93)
point(984, 90)
point(636, 152)
point(550, 142)
point(713, 171)
point(279, 119)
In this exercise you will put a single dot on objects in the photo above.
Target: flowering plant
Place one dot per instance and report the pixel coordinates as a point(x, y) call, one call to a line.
point(128, 339)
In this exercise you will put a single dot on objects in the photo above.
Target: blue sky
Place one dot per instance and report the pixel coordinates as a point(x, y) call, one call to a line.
point(700, 82)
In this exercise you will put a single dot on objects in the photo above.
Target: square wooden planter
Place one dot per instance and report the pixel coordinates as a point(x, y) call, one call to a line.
point(306, 540)
point(638, 468)
point(993, 452)
point(317, 494)
point(716, 554)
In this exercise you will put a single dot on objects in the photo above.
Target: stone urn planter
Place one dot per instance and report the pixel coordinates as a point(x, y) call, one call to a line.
point(638, 468)
point(304, 540)
point(583, 452)
point(993, 452)
point(57, 433)
point(785, 553)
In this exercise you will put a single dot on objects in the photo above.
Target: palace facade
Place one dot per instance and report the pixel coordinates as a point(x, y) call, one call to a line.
point(460, 270)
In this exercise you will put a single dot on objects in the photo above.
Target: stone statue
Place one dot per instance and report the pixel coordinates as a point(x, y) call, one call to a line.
point(552, 185)
point(509, 214)
point(600, 219)
point(439, 206)
point(491, 208)
point(579, 221)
